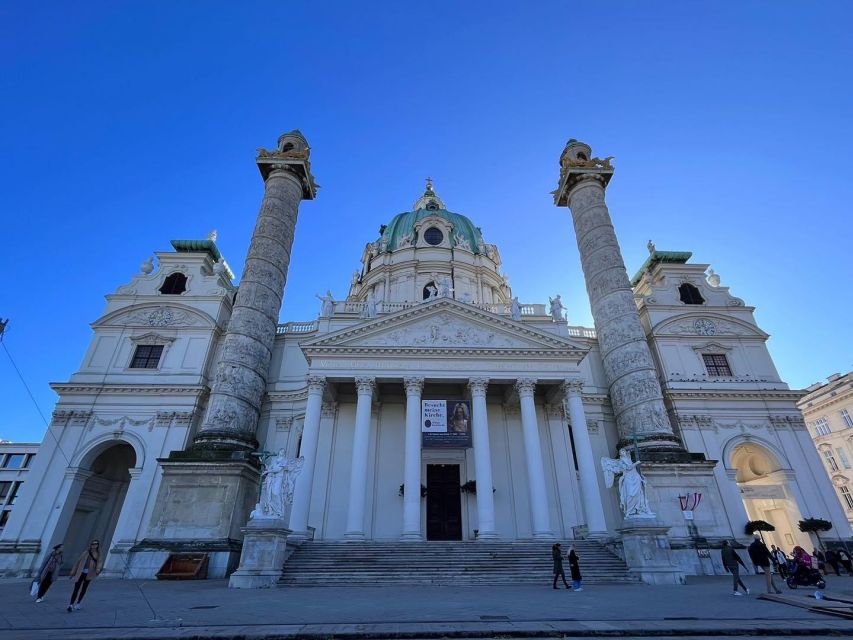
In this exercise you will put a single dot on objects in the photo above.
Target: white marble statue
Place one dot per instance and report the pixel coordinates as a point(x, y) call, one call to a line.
point(432, 292)
point(327, 304)
point(277, 484)
point(515, 309)
point(557, 309)
point(444, 287)
point(369, 310)
point(632, 485)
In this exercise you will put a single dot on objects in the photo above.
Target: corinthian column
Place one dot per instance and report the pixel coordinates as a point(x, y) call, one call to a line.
point(482, 459)
point(533, 454)
point(412, 460)
point(635, 393)
point(241, 373)
point(358, 472)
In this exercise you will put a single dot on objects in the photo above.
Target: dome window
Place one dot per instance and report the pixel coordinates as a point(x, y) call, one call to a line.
point(690, 294)
point(432, 206)
point(433, 236)
point(174, 285)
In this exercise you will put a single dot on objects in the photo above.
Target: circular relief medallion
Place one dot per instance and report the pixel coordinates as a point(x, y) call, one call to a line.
point(704, 327)
point(160, 317)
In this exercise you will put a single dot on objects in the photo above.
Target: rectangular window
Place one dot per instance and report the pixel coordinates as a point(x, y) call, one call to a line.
point(4, 518)
point(830, 460)
point(5, 487)
point(146, 356)
point(845, 493)
point(846, 417)
point(13, 493)
point(717, 365)
point(821, 427)
point(14, 461)
point(843, 457)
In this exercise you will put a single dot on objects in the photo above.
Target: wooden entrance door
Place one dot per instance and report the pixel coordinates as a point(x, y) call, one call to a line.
point(443, 502)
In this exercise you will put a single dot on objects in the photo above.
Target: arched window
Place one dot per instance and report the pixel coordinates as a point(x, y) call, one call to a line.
point(582, 156)
point(174, 285)
point(430, 291)
point(690, 294)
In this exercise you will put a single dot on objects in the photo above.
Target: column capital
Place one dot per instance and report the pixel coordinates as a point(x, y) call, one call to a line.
point(414, 386)
point(525, 387)
point(573, 387)
point(365, 385)
point(478, 386)
point(577, 165)
point(316, 384)
point(291, 156)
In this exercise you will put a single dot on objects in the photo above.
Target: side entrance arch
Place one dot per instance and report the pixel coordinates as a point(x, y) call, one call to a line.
point(99, 504)
point(769, 493)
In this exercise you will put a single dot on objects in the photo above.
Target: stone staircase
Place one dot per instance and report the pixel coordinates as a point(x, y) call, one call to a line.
point(374, 563)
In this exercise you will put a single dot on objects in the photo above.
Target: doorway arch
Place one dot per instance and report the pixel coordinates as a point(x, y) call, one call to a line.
point(101, 498)
point(766, 491)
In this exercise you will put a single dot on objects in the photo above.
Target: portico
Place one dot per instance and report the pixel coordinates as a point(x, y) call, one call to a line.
point(443, 350)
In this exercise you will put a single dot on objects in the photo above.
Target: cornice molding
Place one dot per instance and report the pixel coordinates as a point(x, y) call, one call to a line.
point(67, 388)
point(731, 394)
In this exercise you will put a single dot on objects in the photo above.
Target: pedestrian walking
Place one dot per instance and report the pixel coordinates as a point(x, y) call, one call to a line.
point(732, 563)
point(760, 556)
point(820, 560)
point(86, 569)
point(781, 561)
point(844, 559)
point(49, 571)
point(557, 555)
point(575, 570)
point(832, 561)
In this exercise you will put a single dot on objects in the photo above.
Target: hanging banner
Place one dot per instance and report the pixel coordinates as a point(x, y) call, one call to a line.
point(446, 423)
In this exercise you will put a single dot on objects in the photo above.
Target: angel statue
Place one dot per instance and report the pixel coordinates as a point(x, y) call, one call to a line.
point(556, 309)
point(632, 485)
point(277, 484)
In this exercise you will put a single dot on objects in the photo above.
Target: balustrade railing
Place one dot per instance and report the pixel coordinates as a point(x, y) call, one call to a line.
point(296, 327)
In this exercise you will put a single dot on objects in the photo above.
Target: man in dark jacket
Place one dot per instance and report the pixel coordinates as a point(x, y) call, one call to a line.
point(760, 556)
point(731, 561)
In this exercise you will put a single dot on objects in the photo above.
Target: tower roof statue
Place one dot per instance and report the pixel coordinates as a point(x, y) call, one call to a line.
point(404, 227)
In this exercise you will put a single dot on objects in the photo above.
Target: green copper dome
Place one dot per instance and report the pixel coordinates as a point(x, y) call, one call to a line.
point(430, 204)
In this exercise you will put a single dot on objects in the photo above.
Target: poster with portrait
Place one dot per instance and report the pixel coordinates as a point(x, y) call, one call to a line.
point(446, 423)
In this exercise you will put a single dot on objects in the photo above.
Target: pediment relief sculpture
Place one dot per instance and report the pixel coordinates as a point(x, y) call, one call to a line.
point(706, 326)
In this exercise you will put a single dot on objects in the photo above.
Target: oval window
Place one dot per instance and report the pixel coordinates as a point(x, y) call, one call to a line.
point(433, 236)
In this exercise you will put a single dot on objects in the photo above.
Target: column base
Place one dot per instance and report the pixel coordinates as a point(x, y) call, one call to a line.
point(412, 536)
point(543, 535)
point(354, 536)
point(598, 535)
point(487, 535)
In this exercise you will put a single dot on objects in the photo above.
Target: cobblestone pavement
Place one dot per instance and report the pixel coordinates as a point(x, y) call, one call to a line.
point(208, 609)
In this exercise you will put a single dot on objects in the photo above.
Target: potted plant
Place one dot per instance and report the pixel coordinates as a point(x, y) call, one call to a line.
point(758, 525)
point(815, 526)
point(402, 490)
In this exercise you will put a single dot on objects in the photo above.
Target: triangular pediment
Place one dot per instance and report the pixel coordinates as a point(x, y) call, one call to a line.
point(446, 324)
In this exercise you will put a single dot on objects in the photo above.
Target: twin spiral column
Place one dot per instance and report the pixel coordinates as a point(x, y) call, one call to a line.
point(635, 392)
point(240, 381)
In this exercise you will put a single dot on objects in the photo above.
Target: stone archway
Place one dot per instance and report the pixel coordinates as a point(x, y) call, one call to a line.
point(767, 494)
point(99, 504)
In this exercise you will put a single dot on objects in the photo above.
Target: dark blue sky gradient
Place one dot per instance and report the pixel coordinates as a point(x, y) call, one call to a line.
point(127, 124)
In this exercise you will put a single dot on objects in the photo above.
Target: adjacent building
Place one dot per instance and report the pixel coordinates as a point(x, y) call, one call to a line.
point(828, 410)
point(15, 460)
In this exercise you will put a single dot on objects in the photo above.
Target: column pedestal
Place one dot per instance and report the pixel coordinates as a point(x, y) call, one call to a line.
point(263, 555)
point(647, 551)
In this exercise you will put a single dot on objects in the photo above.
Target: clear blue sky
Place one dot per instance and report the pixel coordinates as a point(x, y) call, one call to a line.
point(127, 124)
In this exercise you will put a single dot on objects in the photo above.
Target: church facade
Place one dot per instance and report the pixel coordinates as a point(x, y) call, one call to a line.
point(428, 404)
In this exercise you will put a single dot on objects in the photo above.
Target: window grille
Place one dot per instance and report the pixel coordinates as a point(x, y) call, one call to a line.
point(821, 427)
point(146, 356)
point(717, 365)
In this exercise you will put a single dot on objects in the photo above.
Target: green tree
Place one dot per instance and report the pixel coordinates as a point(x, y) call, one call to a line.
point(815, 526)
point(758, 525)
